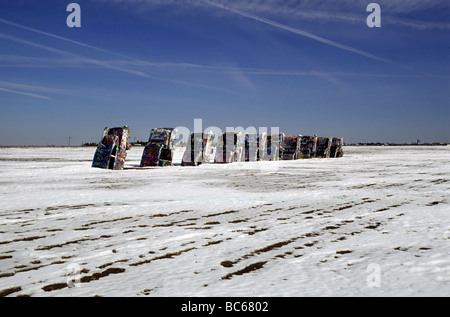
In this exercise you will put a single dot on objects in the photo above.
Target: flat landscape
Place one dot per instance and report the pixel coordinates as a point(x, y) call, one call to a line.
point(373, 223)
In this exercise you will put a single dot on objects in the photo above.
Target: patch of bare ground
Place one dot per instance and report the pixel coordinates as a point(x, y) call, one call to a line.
point(96, 276)
point(54, 230)
point(212, 243)
point(344, 251)
point(343, 207)
point(169, 224)
point(7, 213)
point(310, 211)
point(146, 291)
point(227, 263)
point(170, 214)
point(212, 223)
point(268, 248)
point(51, 208)
point(84, 279)
point(310, 244)
point(439, 181)
point(54, 287)
point(273, 246)
point(247, 269)
point(434, 203)
point(26, 269)
point(22, 239)
point(253, 231)
point(48, 247)
point(221, 213)
point(373, 225)
point(165, 256)
point(105, 221)
point(111, 263)
point(239, 220)
point(10, 291)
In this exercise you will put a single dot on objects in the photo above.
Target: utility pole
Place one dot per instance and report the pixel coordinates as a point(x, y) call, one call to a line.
point(69, 140)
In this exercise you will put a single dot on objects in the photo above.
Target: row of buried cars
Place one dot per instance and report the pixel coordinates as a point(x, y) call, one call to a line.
point(229, 147)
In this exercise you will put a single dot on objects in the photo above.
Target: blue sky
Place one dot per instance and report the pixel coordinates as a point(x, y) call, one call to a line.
point(307, 67)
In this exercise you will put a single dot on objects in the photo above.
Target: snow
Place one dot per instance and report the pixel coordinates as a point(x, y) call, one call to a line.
point(373, 223)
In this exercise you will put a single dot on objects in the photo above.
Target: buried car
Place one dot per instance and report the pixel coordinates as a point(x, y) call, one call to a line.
point(229, 148)
point(308, 145)
point(198, 149)
point(159, 149)
point(112, 149)
point(336, 149)
point(271, 150)
point(323, 147)
point(255, 146)
point(291, 147)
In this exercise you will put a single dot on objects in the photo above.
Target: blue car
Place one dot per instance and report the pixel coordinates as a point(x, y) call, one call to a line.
point(112, 149)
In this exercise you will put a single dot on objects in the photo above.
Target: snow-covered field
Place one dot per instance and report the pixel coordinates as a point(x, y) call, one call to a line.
point(373, 223)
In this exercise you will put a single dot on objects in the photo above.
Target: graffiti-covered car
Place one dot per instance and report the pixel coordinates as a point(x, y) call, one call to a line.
point(336, 149)
point(308, 145)
point(271, 151)
point(159, 149)
point(323, 147)
point(291, 147)
point(198, 149)
point(262, 146)
point(254, 145)
point(112, 149)
point(229, 148)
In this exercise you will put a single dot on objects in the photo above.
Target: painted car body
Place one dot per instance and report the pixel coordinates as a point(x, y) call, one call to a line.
point(198, 149)
point(308, 145)
point(112, 149)
point(254, 143)
point(291, 147)
point(336, 149)
point(229, 148)
point(272, 147)
point(323, 147)
point(159, 149)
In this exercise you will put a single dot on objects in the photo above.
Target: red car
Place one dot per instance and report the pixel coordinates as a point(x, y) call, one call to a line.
point(291, 147)
point(159, 149)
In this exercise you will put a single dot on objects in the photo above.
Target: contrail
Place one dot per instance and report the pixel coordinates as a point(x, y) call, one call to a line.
point(137, 61)
point(81, 58)
point(301, 32)
point(12, 91)
point(239, 12)
point(20, 26)
point(104, 64)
